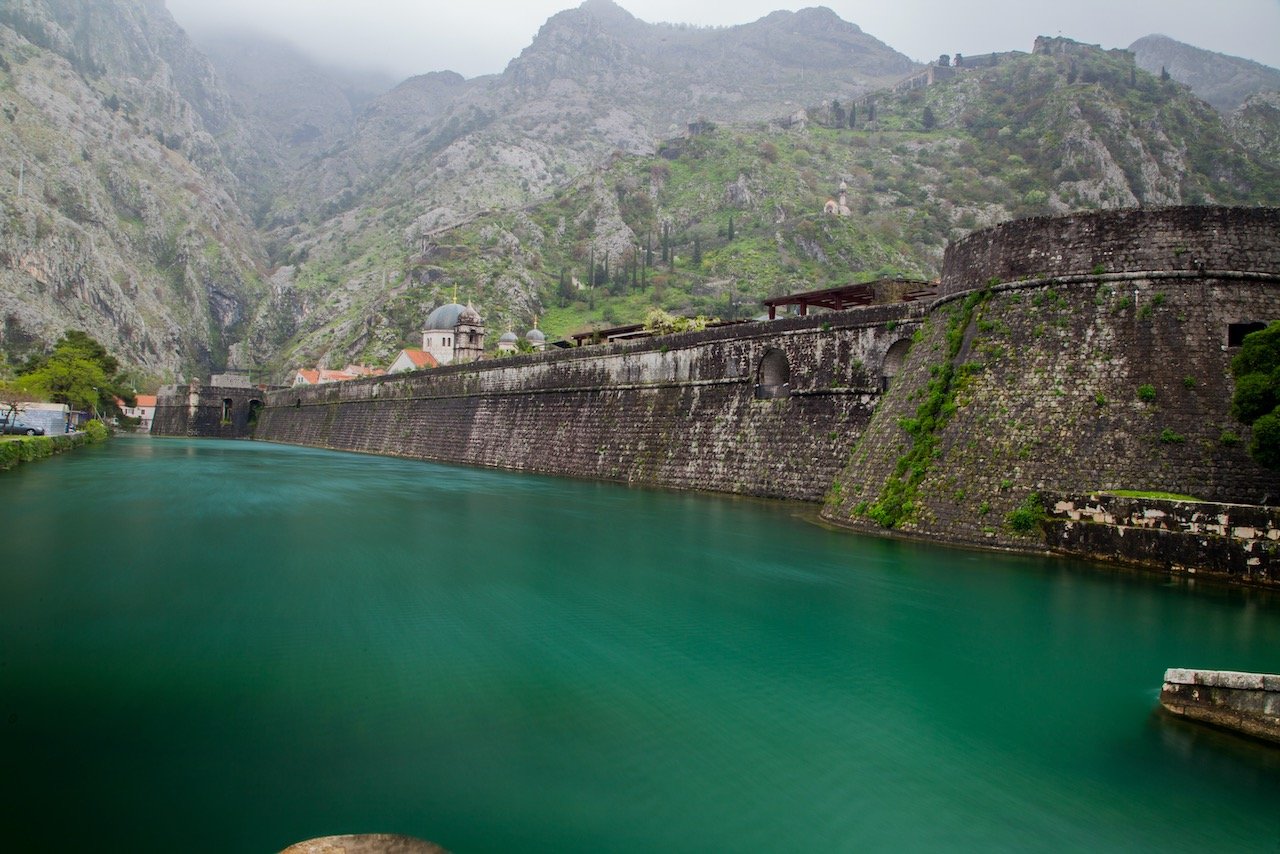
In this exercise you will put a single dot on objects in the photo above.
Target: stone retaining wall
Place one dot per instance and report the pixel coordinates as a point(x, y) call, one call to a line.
point(1244, 702)
point(1088, 352)
point(1240, 542)
point(214, 412)
point(695, 411)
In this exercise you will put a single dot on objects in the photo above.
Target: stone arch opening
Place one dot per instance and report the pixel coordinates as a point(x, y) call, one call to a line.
point(1237, 331)
point(894, 358)
point(773, 378)
point(227, 403)
point(255, 407)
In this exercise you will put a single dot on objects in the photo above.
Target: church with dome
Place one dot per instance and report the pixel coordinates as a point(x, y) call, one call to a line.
point(454, 333)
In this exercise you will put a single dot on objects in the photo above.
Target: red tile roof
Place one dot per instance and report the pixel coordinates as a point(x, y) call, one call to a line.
point(420, 358)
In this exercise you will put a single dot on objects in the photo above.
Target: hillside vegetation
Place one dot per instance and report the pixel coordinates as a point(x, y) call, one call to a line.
point(259, 212)
point(715, 221)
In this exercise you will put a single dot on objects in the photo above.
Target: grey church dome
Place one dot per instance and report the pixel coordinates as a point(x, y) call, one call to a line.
point(445, 317)
point(507, 338)
point(535, 336)
point(448, 316)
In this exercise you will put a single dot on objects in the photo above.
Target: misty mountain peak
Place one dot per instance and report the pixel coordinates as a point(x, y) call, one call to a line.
point(606, 10)
point(1222, 80)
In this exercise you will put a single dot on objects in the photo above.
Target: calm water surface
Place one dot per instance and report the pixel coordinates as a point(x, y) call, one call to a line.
point(233, 646)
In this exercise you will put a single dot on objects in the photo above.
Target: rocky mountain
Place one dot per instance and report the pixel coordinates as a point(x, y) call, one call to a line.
point(1256, 126)
point(717, 219)
point(120, 213)
point(293, 108)
point(594, 81)
point(1224, 81)
point(258, 210)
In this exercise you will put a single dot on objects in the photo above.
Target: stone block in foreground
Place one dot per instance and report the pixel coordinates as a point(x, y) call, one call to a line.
point(1245, 702)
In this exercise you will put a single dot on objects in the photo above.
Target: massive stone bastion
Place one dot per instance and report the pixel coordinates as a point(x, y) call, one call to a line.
point(1071, 355)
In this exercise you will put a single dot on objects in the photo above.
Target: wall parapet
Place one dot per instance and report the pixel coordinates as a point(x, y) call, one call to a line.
point(1244, 702)
point(1240, 542)
point(1191, 239)
point(767, 409)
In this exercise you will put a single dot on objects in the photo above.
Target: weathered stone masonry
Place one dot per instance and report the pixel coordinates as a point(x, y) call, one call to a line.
point(763, 409)
point(1099, 360)
point(210, 411)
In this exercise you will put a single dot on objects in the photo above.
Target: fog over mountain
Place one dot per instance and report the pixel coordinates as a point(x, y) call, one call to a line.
point(235, 202)
point(407, 37)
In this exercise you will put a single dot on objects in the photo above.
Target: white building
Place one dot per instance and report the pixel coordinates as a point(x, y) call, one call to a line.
point(145, 411)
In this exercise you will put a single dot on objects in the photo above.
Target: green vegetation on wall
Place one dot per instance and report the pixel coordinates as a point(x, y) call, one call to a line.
point(1257, 398)
point(896, 502)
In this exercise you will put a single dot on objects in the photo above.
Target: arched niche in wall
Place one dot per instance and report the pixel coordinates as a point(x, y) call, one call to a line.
point(894, 358)
point(227, 404)
point(255, 406)
point(773, 377)
point(1236, 332)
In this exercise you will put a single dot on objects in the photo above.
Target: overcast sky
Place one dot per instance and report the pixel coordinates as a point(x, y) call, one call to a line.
point(473, 37)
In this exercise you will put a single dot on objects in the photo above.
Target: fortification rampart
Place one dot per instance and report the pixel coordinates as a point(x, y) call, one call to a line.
point(1179, 537)
point(766, 409)
point(1098, 358)
point(1065, 356)
point(219, 412)
point(1164, 241)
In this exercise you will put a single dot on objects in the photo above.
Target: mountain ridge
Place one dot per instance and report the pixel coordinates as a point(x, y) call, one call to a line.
point(1224, 81)
point(282, 216)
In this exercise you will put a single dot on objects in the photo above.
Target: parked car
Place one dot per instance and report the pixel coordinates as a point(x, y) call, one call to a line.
point(20, 427)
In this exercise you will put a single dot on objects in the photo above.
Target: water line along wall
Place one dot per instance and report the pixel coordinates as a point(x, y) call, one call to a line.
point(1066, 356)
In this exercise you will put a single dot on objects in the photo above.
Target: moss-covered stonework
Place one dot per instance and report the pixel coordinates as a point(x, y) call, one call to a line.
point(1111, 371)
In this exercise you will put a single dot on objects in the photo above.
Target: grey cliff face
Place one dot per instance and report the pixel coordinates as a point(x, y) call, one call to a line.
point(257, 209)
point(122, 214)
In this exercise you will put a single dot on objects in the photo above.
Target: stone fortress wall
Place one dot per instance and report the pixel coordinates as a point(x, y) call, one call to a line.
point(764, 409)
point(1087, 353)
point(210, 411)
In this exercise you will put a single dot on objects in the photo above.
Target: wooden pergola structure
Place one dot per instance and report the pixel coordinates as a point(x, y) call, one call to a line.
point(880, 292)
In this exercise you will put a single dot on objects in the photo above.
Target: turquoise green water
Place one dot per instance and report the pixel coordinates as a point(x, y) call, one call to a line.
point(233, 646)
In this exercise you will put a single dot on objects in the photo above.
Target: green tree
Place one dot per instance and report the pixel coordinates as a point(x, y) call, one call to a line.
point(80, 373)
point(928, 119)
point(1257, 399)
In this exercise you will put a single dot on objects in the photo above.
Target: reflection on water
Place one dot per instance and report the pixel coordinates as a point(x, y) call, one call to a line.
point(265, 644)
